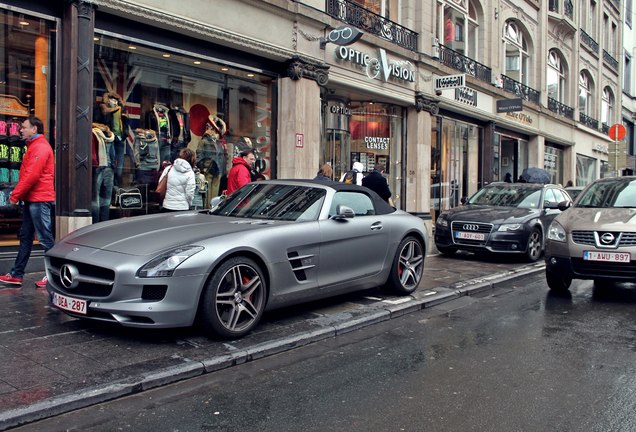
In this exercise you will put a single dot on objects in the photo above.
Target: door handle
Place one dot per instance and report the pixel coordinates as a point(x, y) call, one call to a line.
point(376, 226)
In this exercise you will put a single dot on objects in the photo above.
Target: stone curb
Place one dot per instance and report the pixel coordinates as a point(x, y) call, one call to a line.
point(190, 369)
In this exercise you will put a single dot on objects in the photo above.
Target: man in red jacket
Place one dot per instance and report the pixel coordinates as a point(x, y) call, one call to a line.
point(240, 174)
point(36, 189)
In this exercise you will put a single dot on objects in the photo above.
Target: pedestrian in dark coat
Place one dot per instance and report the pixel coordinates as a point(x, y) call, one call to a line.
point(376, 182)
point(325, 173)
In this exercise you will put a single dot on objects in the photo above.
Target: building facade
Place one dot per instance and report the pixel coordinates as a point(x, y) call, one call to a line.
point(448, 95)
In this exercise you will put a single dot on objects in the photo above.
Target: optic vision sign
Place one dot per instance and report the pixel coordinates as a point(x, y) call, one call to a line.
point(402, 70)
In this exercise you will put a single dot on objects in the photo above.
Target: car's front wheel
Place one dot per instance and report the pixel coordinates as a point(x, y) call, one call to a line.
point(557, 282)
point(408, 267)
point(234, 298)
point(535, 245)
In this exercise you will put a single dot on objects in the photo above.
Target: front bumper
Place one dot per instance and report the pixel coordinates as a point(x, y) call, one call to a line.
point(508, 242)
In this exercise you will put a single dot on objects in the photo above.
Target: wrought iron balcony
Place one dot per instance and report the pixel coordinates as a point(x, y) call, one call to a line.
point(364, 19)
point(605, 128)
point(561, 109)
point(460, 62)
point(610, 60)
point(586, 39)
point(588, 121)
point(519, 89)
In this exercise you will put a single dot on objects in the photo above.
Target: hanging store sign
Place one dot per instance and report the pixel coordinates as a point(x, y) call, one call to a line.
point(450, 82)
point(466, 95)
point(509, 105)
point(378, 67)
point(377, 143)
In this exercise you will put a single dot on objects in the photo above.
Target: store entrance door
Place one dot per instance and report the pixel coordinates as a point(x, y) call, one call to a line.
point(336, 150)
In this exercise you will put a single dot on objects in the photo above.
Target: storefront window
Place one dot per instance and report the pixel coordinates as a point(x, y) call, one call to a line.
point(553, 163)
point(376, 138)
point(585, 170)
point(27, 77)
point(151, 103)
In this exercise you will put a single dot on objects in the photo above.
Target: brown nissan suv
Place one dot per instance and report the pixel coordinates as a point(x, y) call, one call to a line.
point(596, 237)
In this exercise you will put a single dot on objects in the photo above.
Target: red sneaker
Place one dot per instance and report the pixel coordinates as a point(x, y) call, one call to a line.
point(9, 279)
point(42, 283)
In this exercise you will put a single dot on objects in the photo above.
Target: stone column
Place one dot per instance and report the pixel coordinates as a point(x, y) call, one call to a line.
point(75, 99)
point(299, 119)
point(418, 156)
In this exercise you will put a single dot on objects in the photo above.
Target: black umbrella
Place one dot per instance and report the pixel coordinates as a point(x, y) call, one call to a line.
point(536, 175)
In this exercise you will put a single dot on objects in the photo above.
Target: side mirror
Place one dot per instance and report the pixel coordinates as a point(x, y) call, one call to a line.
point(463, 200)
point(343, 212)
point(564, 205)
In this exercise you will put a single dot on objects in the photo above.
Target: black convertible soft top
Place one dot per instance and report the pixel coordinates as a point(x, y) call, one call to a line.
point(381, 206)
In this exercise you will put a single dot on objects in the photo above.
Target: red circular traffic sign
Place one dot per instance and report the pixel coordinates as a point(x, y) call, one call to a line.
point(617, 132)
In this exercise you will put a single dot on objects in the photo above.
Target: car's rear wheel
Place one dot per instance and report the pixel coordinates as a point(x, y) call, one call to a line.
point(408, 267)
point(535, 245)
point(446, 250)
point(234, 298)
point(557, 282)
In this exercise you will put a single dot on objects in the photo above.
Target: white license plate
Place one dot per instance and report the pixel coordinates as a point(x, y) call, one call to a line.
point(607, 256)
point(469, 235)
point(69, 303)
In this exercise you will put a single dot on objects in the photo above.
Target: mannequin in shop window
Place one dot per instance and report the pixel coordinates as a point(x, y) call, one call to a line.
point(111, 110)
point(103, 162)
point(212, 155)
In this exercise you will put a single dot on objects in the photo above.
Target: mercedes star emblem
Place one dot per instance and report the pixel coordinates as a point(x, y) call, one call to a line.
point(68, 276)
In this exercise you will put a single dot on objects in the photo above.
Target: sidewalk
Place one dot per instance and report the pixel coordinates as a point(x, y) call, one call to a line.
point(51, 363)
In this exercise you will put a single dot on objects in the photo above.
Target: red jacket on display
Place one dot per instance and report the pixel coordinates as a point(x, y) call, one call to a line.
point(37, 173)
point(239, 175)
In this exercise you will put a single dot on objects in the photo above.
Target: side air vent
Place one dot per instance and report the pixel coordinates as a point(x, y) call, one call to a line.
point(300, 263)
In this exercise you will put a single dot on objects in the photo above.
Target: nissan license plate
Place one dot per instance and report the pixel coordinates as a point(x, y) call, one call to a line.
point(469, 235)
point(624, 257)
point(69, 303)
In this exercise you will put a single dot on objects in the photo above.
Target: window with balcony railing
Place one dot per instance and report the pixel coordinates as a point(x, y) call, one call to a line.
point(358, 16)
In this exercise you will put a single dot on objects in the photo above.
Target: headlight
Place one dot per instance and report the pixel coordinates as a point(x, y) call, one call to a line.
point(165, 264)
point(441, 221)
point(556, 232)
point(510, 227)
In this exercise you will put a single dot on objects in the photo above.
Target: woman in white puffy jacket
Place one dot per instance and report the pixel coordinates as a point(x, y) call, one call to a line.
point(181, 182)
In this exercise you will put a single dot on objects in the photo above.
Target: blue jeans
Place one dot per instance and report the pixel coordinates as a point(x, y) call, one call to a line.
point(36, 218)
point(102, 193)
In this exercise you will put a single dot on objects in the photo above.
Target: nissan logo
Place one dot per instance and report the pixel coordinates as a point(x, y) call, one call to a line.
point(68, 276)
point(470, 227)
point(607, 238)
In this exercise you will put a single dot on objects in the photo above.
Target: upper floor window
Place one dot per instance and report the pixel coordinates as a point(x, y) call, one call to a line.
point(555, 77)
point(516, 52)
point(387, 8)
point(585, 93)
point(457, 26)
point(607, 106)
point(588, 17)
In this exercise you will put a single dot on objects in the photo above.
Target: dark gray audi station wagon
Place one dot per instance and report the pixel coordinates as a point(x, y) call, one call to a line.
point(501, 218)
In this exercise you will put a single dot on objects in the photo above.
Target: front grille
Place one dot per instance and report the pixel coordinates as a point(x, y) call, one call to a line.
point(588, 237)
point(482, 228)
point(96, 281)
point(605, 269)
point(583, 237)
point(154, 292)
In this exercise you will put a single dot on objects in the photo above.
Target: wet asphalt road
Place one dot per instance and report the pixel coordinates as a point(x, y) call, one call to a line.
point(517, 360)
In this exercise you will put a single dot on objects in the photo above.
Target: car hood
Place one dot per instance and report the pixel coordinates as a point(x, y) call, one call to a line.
point(144, 235)
point(490, 214)
point(598, 219)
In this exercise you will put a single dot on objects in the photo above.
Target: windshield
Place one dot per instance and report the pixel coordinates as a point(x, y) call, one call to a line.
point(619, 193)
point(273, 201)
point(507, 196)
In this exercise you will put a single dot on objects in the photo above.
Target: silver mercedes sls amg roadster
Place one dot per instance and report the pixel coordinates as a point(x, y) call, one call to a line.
point(270, 244)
